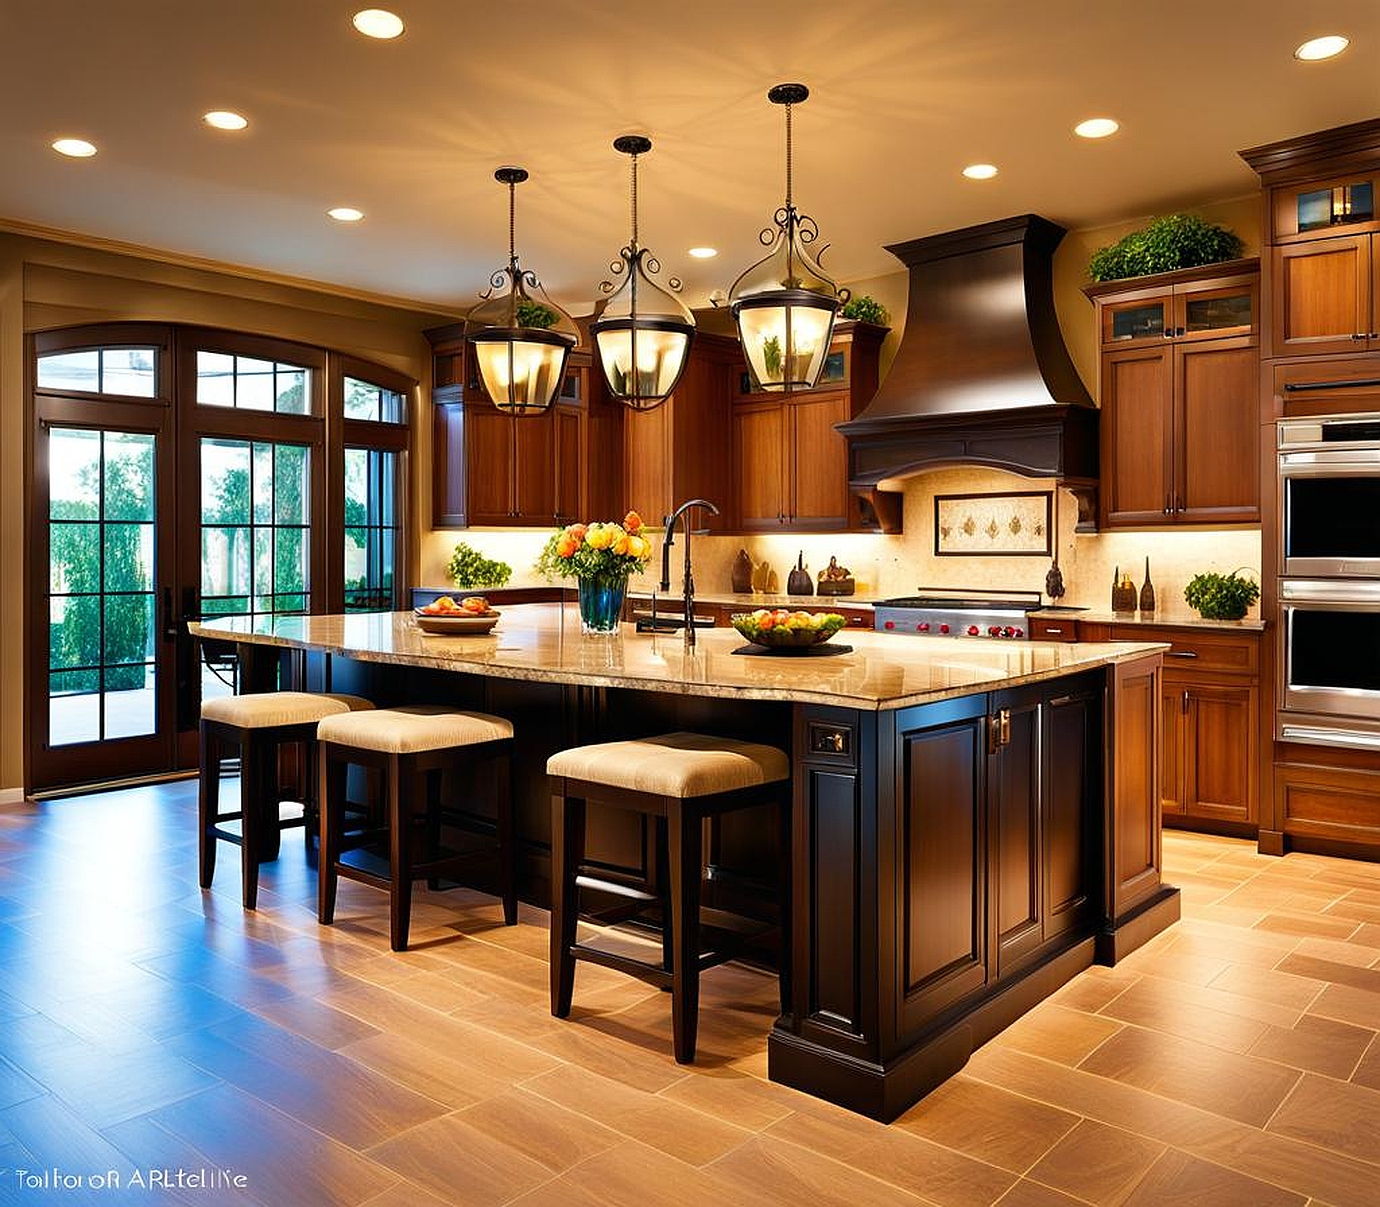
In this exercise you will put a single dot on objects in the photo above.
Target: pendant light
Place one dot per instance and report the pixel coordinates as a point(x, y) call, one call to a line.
point(784, 305)
point(643, 335)
point(521, 338)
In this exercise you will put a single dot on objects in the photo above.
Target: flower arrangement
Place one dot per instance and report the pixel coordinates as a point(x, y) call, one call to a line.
point(601, 552)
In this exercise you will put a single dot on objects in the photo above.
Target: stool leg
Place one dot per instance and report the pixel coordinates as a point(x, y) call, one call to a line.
point(507, 844)
point(567, 853)
point(785, 839)
point(311, 794)
point(685, 856)
point(399, 849)
point(663, 888)
point(267, 798)
point(251, 818)
point(330, 780)
point(208, 806)
point(432, 784)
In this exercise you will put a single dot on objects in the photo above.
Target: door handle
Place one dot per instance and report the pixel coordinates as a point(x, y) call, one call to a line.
point(169, 624)
point(999, 730)
point(1185, 701)
point(1181, 654)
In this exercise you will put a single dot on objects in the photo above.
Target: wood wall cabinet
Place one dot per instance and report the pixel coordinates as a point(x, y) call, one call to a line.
point(1325, 297)
point(1210, 753)
point(1180, 380)
point(495, 469)
point(790, 465)
point(680, 450)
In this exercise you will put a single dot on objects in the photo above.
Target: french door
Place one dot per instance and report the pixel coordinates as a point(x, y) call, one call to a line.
point(102, 642)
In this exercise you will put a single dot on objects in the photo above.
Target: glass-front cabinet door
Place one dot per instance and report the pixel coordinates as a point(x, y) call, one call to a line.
point(1217, 309)
point(1138, 320)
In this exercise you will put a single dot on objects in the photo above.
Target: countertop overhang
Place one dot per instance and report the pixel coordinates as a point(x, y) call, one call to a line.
point(544, 643)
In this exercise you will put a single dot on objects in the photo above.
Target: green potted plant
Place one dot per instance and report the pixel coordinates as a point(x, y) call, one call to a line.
point(1221, 596)
point(470, 569)
point(1168, 243)
point(534, 314)
point(865, 309)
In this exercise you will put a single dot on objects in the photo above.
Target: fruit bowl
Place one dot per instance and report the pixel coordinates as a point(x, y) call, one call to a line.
point(778, 628)
point(471, 615)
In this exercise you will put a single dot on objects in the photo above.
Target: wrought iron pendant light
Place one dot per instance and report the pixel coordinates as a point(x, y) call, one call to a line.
point(784, 305)
point(521, 337)
point(644, 334)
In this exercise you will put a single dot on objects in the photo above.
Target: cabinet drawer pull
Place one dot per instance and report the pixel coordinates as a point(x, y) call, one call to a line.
point(1060, 701)
point(1360, 383)
point(1359, 335)
point(1182, 654)
point(1052, 629)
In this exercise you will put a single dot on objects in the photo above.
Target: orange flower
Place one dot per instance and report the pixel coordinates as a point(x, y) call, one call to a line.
point(567, 547)
point(577, 531)
point(620, 543)
point(632, 522)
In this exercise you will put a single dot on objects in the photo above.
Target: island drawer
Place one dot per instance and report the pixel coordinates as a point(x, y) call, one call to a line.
point(1044, 629)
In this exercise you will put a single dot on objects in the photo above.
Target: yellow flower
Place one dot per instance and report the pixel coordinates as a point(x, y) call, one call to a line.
point(620, 543)
point(599, 536)
point(639, 546)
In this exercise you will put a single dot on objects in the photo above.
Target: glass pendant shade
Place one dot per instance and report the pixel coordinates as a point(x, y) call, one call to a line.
point(784, 305)
point(644, 333)
point(521, 338)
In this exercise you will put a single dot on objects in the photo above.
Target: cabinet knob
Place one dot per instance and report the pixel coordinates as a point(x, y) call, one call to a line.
point(1359, 335)
point(1167, 333)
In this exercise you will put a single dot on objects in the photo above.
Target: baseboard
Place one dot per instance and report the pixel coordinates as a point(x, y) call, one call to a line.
point(11, 798)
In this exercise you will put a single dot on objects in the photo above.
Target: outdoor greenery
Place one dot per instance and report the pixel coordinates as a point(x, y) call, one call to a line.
point(469, 568)
point(1168, 243)
point(1221, 596)
point(865, 309)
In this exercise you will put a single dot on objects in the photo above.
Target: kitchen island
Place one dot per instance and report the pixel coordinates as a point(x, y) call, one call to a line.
point(974, 822)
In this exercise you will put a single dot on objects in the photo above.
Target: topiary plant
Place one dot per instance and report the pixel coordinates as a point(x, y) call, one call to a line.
point(865, 309)
point(469, 568)
point(1174, 241)
point(534, 314)
point(1221, 596)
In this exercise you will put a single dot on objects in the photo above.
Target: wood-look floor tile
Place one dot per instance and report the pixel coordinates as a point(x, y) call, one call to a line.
point(1282, 985)
point(16, 1085)
point(1090, 991)
point(284, 1161)
point(735, 1097)
point(655, 1120)
point(150, 1146)
point(634, 1175)
point(1367, 1070)
point(1367, 933)
point(1341, 951)
point(56, 1136)
point(1225, 942)
point(1339, 1116)
point(315, 1020)
point(1355, 908)
point(1057, 1033)
point(550, 1135)
point(1180, 1180)
point(1239, 1087)
point(1303, 926)
point(406, 1194)
point(459, 1163)
point(947, 1178)
point(326, 1090)
point(1169, 994)
point(1334, 972)
point(1157, 1006)
point(784, 1173)
point(1359, 1007)
point(1097, 1163)
point(1026, 1193)
point(988, 1123)
point(1177, 965)
point(1316, 1044)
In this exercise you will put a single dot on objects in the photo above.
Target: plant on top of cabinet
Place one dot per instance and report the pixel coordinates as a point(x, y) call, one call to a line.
point(865, 309)
point(469, 568)
point(1172, 242)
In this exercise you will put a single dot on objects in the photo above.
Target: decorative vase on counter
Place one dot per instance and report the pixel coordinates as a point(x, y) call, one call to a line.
point(1147, 592)
point(741, 574)
point(601, 604)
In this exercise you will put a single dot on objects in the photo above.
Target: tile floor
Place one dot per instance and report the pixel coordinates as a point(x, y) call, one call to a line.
point(146, 1026)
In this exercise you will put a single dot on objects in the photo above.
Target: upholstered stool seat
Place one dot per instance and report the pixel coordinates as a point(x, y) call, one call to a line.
point(412, 746)
point(680, 779)
point(259, 725)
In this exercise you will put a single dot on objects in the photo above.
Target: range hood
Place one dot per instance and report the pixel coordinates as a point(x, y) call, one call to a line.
point(982, 376)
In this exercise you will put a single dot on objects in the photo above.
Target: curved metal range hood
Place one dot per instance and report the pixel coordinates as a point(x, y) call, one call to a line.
point(982, 376)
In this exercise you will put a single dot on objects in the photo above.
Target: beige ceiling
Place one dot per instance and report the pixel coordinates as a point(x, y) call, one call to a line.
point(904, 94)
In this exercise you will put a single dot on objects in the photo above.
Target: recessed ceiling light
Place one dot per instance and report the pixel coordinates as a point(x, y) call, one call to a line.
point(346, 213)
point(1096, 127)
point(77, 148)
point(225, 119)
point(704, 253)
point(1322, 48)
point(980, 171)
point(378, 23)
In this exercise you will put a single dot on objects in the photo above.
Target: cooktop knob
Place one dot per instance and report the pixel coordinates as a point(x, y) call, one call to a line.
point(1008, 631)
point(923, 627)
point(994, 630)
point(973, 630)
point(943, 628)
point(1017, 632)
point(890, 624)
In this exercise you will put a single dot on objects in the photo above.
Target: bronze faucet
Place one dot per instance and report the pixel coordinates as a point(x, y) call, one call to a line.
point(666, 560)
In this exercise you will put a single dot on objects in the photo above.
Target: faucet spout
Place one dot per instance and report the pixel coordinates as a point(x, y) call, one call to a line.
point(680, 513)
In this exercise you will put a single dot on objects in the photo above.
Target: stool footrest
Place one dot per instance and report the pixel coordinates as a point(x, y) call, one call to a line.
point(653, 974)
point(584, 880)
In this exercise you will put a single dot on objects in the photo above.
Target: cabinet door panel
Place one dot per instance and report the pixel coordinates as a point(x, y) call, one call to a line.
point(535, 469)
point(1218, 471)
point(1134, 838)
point(1137, 405)
point(759, 444)
point(1321, 296)
point(1175, 710)
point(1220, 772)
point(819, 473)
point(489, 465)
point(1072, 787)
point(647, 462)
point(1017, 838)
point(448, 504)
point(569, 506)
point(942, 866)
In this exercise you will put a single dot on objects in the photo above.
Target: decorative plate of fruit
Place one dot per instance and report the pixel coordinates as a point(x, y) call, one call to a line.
point(780, 628)
point(470, 615)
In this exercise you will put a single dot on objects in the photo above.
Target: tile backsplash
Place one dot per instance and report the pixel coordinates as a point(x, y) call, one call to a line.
point(898, 565)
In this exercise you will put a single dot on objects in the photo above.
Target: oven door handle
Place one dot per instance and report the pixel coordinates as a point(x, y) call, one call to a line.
point(1310, 465)
point(1335, 597)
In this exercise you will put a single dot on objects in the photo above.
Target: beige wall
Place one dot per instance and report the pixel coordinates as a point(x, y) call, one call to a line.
point(45, 283)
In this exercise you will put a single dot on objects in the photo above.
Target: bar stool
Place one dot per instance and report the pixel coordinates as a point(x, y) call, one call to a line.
point(259, 725)
point(407, 745)
point(680, 779)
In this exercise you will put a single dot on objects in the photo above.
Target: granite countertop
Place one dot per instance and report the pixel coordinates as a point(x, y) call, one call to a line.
point(543, 643)
point(747, 601)
point(1169, 619)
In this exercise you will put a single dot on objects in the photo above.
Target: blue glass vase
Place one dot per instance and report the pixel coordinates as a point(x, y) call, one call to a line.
point(601, 604)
